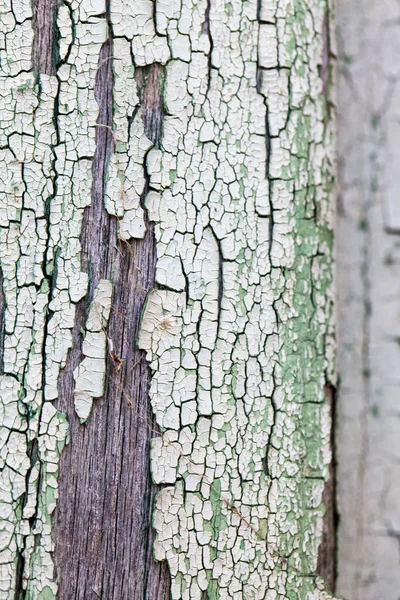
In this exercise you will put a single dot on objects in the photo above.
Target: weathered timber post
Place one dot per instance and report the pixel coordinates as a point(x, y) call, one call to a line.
point(166, 234)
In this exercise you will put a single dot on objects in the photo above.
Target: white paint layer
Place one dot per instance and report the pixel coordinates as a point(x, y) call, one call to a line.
point(90, 374)
point(241, 342)
point(239, 338)
point(45, 185)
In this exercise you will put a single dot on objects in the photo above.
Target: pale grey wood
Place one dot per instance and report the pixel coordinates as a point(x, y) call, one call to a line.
point(369, 299)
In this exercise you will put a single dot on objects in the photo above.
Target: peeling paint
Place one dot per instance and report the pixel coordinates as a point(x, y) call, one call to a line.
point(240, 191)
point(90, 374)
point(126, 178)
point(45, 186)
point(239, 332)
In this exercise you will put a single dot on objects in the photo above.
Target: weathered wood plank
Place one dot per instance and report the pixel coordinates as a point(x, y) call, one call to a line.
point(246, 288)
point(44, 52)
point(103, 521)
point(327, 555)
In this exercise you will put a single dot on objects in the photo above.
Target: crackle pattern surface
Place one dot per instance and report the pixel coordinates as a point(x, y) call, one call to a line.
point(239, 333)
point(234, 166)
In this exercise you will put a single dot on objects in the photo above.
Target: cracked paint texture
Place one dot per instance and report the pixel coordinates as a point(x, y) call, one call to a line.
point(239, 330)
point(239, 334)
point(44, 187)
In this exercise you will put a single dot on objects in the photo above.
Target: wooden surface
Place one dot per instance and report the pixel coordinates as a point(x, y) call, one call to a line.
point(45, 40)
point(327, 561)
point(102, 526)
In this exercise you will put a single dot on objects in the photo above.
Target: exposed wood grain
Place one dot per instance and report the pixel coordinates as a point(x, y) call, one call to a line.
point(45, 40)
point(102, 524)
point(150, 82)
point(103, 521)
point(327, 561)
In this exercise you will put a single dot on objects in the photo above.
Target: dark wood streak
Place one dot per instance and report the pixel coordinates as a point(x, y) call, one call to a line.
point(45, 38)
point(150, 81)
point(325, 67)
point(327, 562)
point(102, 525)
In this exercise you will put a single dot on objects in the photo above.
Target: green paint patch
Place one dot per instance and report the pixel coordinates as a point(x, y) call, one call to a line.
point(24, 86)
point(47, 594)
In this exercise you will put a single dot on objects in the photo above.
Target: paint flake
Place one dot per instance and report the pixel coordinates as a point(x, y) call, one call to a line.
point(90, 374)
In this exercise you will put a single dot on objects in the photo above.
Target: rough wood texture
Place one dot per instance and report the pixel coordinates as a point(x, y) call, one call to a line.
point(45, 36)
point(103, 521)
point(235, 170)
point(327, 556)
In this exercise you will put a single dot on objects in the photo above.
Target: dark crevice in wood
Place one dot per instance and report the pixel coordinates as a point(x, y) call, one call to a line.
point(19, 575)
point(102, 526)
point(20, 590)
point(325, 67)
point(327, 555)
point(45, 42)
point(206, 29)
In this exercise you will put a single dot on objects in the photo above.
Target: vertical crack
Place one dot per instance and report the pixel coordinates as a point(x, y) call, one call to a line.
point(327, 553)
point(268, 138)
point(206, 29)
point(324, 68)
point(33, 456)
point(19, 574)
point(270, 217)
point(266, 466)
point(267, 175)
